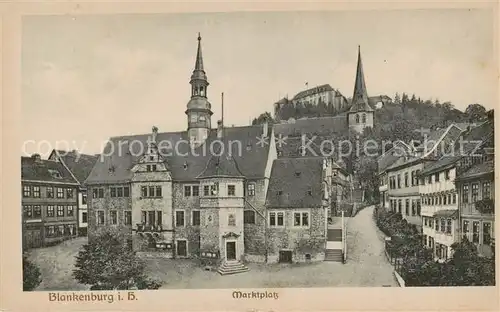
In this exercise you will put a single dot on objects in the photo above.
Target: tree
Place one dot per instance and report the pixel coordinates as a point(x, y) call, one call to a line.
point(469, 269)
point(263, 118)
point(475, 112)
point(31, 275)
point(107, 262)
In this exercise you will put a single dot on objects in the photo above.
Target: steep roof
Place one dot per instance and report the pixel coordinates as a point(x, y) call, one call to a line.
point(319, 125)
point(121, 153)
point(79, 164)
point(45, 170)
point(360, 100)
point(314, 90)
point(291, 179)
point(399, 149)
point(478, 170)
point(469, 141)
point(222, 164)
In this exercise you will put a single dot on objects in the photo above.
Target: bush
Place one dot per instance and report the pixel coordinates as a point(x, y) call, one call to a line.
point(31, 275)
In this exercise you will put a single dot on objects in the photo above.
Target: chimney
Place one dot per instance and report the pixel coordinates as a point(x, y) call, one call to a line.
point(36, 157)
point(219, 129)
point(265, 129)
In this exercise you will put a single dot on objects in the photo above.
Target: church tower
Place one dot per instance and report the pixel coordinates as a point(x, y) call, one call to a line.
point(360, 115)
point(198, 108)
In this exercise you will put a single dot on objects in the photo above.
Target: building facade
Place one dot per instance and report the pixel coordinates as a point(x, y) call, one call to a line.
point(49, 202)
point(215, 196)
point(79, 165)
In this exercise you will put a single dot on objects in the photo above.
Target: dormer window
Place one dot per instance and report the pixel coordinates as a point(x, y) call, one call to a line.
point(148, 168)
point(309, 192)
point(55, 174)
point(151, 158)
point(297, 174)
point(279, 193)
point(185, 166)
point(153, 167)
point(111, 169)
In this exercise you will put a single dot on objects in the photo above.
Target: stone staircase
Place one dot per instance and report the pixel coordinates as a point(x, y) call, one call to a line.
point(333, 255)
point(232, 267)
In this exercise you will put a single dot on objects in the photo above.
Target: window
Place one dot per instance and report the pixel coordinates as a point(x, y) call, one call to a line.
point(60, 211)
point(187, 190)
point(179, 218)
point(406, 179)
point(431, 222)
point(249, 217)
point(196, 190)
point(449, 199)
point(128, 217)
point(151, 217)
point(475, 232)
point(429, 179)
point(148, 168)
point(400, 205)
point(100, 217)
point(50, 231)
point(151, 191)
point(465, 227)
point(84, 217)
point(50, 211)
point(113, 216)
point(437, 224)
point(28, 211)
point(443, 225)
point(84, 198)
point(363, 118)
point(119, 192)
point(231, 190)
point(486, 233)
point(447, 174)
point(425, 221)
point(26, 191)
point(50, 192)
point(301, 219)
point(440, 199)
point(436, 177)
point(448, 226)
point(159, 217)
point(144, 191)
point(465, 193)
point(486, 194)
point(60, 192)
point(231, 220)
point(407, 207)
point(251, 189)
point(399, 181)
point(206, 190)
point(444, 199)
point(454, 197)
point(37, 211)
point(113, 191)
point(158, 191)
point(196, 217)
point(70, 210)
point(417, 174)
point(214, 189)
point(36, 191)
point(475, 192)
point(414, 207)
point(69, 193)
point(126, 191)
point(276, 219)
point(153, 167)
point(357, 118)
point(144, 217)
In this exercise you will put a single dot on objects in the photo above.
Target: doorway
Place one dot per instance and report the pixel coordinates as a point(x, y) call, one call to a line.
point(285, 256)
point(230, 250)
point(182, 248)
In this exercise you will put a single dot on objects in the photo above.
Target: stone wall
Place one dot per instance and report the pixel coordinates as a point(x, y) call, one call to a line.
point(120, 204)
point(301, 240)
point(189, 232)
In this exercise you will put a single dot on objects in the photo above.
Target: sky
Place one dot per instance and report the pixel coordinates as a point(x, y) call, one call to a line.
point(86, 78)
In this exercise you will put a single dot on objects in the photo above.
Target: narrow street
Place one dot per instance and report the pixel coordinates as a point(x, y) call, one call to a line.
point(365, 252)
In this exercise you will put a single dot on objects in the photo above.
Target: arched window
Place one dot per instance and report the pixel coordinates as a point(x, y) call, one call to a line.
point(363, 119)
point(202, 92)
point(357, 118)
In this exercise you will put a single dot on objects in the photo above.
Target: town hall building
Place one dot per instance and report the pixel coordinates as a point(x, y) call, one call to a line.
point(223, 193)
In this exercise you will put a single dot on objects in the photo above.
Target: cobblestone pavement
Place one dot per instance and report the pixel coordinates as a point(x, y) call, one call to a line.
point(365, 252)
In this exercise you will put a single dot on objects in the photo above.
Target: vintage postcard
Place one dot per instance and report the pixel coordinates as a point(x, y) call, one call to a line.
point(264, 157)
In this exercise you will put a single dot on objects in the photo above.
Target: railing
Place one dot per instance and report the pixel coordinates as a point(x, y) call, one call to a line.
point(149, 227)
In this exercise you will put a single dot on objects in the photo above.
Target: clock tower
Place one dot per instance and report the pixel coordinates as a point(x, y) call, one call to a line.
point(198, 108)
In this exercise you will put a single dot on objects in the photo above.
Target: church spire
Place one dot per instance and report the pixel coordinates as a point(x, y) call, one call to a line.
point(199, 71)
point(360, 95)
point(199, 57)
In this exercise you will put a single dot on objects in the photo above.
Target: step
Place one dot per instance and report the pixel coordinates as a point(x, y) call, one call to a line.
point(235, 267)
